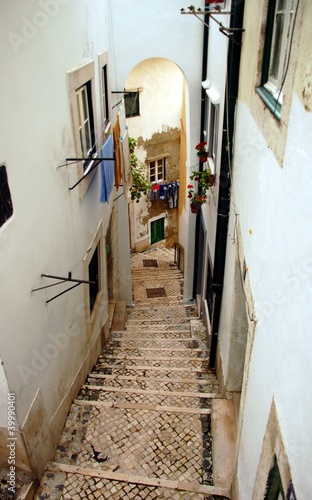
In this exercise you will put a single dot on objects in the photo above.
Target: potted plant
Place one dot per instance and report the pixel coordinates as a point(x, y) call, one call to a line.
point(202, 152)
point(205, 179)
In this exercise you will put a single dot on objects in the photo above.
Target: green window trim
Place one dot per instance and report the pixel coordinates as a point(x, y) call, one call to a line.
point(270, 101)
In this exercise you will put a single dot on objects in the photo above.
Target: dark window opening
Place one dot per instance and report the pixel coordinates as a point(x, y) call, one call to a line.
point(209, 292)
point(94, 276)
point(6, 205)
point(105, 96)
point(274, 488)
point(132, 104)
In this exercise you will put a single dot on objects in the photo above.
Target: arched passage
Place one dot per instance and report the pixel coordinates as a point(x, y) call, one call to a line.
point(154, 102)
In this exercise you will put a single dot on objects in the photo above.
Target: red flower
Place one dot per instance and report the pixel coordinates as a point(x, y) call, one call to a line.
point(201, 146)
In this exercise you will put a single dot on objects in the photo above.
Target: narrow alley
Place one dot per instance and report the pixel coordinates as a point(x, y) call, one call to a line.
point(140, 426)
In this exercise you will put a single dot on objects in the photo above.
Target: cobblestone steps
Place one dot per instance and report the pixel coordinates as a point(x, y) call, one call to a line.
point(140, 425)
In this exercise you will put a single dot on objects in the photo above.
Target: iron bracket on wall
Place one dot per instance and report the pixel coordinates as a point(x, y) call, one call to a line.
point(228, 32)
point(89, 169)
point(63, 280)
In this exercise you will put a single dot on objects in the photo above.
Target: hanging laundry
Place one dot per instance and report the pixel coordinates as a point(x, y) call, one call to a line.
point(118, 171)
point(124, 149)
point(175, 193)
point(107, 170)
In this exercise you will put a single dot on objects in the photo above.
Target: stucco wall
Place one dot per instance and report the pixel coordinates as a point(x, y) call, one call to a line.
point(47, 349)
point(51, 229)
point(270, 199)
point(275, 217)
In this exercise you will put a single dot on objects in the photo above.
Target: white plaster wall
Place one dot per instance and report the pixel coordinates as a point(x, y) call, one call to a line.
point(51, 229)
point(4, 390)
point(275, 216)
point(161, 84)
point(161, 31)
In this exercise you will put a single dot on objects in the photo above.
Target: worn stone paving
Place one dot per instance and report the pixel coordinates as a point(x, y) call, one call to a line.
point(140, 426)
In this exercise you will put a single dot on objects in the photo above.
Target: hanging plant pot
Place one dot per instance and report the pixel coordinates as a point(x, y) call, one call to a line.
point(195, 208)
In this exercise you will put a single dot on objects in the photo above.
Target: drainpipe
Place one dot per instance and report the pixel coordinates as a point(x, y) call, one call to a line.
point(233, 61)
point(202, 126)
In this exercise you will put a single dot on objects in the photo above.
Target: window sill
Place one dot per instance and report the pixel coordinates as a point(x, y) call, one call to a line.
point(270, 101)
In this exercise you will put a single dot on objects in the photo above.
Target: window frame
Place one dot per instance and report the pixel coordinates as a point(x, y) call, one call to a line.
point(105, 89)
point(213, 134)
point(86, 121)
point(78, 78)
point(270, 89)
point(159, 175)
point(96, 245)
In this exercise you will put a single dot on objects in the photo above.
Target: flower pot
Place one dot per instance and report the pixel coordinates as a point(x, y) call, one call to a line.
point(203, 158)
point(195, 208)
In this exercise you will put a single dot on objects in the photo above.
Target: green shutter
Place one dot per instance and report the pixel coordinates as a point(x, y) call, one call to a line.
point(157, 230)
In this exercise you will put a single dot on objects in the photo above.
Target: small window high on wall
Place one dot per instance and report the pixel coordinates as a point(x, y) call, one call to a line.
point(132, 103)
point(157, 170)
point(6, 205)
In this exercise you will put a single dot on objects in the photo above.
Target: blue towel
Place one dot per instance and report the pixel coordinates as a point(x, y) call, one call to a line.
point(107, 170)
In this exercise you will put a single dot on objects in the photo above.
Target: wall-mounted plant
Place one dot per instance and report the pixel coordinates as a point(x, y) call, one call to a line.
point(140, 183)
point(205, 179)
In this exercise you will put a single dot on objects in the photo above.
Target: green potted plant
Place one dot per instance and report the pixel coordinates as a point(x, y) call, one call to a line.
point(205, 179)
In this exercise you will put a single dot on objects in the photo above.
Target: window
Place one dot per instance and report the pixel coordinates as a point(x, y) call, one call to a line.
point(6, 205)
point(157, 229)
point(213, 123)
point(82, 99)
point(132, 103)
point(276, 51)
point(93, 271)
point(105, 96)
point(157, 170)
point(103, 65)
point(85, 121)
point(94, 276)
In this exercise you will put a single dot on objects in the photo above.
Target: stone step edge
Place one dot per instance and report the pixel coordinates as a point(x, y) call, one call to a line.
point(172, 322)
point(150, 358)
point(186, 350)
point(137, 378)
point(143, 367)
point(148, 407)
point(136, 479)
point(153, 392)
point(148, 339)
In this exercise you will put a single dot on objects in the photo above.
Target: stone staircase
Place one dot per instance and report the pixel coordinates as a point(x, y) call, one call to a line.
point(140, 426)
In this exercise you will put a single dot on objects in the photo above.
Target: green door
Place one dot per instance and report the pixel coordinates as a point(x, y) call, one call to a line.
point(157, 230)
